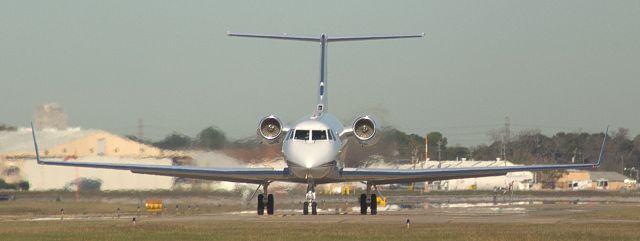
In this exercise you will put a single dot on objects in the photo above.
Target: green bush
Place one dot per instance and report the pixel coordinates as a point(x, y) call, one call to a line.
point(23, 185)
point(84, 184)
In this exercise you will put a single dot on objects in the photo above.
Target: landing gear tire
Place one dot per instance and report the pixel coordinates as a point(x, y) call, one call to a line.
point(305, 208)
point(270, 204)
point(260, 204)
point(374, 204)
point(314, 208)
point(363, 204)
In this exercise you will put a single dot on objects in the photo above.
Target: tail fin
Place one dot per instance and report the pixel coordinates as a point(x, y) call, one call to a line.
point(323, 39)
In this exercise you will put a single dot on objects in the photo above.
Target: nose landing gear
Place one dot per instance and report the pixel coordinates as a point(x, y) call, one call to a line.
point(310, 200)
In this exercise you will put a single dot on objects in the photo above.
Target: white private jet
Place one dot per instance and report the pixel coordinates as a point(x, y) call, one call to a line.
point(311, 148)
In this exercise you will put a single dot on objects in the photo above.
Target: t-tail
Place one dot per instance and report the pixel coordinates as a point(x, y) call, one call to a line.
point(323, 39)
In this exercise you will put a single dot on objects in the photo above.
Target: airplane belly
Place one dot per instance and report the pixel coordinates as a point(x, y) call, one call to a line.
point(325, 171)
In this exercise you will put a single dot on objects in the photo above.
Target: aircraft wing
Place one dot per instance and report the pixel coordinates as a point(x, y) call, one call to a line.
point(389, 176)
point(246, 175)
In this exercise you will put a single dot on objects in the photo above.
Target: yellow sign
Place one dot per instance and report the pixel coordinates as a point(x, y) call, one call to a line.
point(345, 190)
point(153, 205)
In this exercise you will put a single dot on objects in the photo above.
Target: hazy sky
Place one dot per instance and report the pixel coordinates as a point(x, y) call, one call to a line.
point(553, 65)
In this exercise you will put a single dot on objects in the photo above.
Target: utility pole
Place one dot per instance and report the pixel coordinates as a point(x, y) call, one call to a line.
point(426, 148)
point(505, 137)
point(439, 153)
point(140, 129)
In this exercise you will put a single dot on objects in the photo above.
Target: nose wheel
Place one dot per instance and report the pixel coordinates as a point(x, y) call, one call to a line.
point(310, 204)
point(310, 200)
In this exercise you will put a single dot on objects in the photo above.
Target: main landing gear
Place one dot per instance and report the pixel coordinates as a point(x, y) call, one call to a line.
point(266, 203)
point(366, 202)
point(310, 200)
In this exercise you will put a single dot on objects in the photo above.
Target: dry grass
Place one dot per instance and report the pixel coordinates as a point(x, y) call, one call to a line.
point(629, 212)
point(218, 230)
point(550, 222)
point(32, 209)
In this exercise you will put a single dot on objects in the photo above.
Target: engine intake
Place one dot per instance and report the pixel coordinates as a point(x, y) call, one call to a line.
point(364, 129)
point(270, 129)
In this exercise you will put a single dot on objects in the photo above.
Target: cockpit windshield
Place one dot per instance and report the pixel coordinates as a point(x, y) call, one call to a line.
point(302, 135)
point(319, 135)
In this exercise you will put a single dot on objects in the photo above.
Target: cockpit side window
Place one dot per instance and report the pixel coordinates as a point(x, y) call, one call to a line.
point(331, 136)
point(302, 135)
point(291, 134)
point(318, 135)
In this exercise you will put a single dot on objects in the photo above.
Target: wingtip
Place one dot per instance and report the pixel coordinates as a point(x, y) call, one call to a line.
point(602, 148)
point(35, 144)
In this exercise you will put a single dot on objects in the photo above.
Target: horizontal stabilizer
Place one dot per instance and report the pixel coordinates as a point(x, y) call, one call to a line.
point(319, 38)
point(371, 37)
point(277, 36)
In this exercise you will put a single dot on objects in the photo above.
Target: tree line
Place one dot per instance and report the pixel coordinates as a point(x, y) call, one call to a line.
point(214, 139)
point(210, 138)
point(526, 147)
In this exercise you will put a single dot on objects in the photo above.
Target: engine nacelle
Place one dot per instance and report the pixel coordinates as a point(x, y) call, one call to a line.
point(364, 130)
point(270, 129)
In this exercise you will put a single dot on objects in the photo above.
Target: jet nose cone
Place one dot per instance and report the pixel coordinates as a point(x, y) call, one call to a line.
point(311, 162)
point(309, 155)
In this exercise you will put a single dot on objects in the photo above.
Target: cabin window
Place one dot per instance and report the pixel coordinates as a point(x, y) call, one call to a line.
point(319, 135)
point(302, 135)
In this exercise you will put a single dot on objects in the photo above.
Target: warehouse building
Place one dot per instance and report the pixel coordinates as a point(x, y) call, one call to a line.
point(594, 180)
point(17, 159)
point(513, 180)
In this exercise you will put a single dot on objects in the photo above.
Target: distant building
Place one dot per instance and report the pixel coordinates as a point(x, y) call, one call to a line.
point(513, 180)
point(17, 159)
point(594, 180)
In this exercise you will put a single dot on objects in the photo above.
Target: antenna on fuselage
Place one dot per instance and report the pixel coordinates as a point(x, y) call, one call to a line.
point(323, 39)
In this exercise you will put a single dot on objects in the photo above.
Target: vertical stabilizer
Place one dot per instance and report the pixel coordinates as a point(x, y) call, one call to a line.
point(322, 89)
